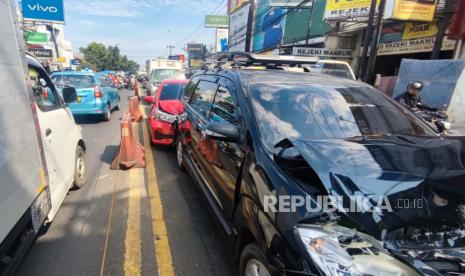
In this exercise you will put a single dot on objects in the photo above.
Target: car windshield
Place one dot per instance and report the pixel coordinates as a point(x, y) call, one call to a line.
point(160, 75)
point(312, 112)
point(172, 91)
point(76, 81)
point(333, 69)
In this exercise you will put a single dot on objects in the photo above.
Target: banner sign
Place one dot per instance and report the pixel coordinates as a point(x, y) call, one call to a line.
point(340, 9)
point(289, 3)
point(41, 53)
point(36, 38)
point(222, 36)
point(216, 21)
point(75, 61)
point(238, 29)
point(413, 46)
point(43, 10)
point(418, 30)
point(411, 10)
point(322, 52)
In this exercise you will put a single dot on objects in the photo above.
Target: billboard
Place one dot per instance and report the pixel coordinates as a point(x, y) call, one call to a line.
point(43, 10)
point(216, 21)
point(41, 53)
point(36, 38)
point(411, 10)
point(222, 36)
point(295, 30)
point(341, 9)
point(238, 29)
point(268, 27)
point(289, 3)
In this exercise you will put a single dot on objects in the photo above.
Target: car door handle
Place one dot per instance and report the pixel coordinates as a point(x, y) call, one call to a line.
point(48, 132)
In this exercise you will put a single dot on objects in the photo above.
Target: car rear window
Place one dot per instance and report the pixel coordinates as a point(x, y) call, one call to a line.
point(76, 81)
point(172, 92)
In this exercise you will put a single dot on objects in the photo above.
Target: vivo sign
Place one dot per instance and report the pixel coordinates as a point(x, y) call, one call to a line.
point(43, 10)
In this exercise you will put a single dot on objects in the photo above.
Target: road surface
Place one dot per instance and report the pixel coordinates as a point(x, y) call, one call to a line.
point(141, 222)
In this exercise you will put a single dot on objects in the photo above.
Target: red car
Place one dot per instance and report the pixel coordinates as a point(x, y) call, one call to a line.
point(166, 108)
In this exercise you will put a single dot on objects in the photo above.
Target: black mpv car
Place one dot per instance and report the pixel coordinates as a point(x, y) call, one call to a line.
point(258, 142)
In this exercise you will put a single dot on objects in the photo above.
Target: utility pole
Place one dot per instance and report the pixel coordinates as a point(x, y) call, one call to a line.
point(375, 43)
point(366, 41)
point(309, 26)
point(171, 47)
point(442, 27)
point(250, 29)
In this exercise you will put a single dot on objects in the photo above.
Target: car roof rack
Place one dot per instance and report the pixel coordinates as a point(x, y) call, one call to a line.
point(246, 59)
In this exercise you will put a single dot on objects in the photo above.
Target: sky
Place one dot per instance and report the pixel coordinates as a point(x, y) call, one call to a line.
point(142, 29)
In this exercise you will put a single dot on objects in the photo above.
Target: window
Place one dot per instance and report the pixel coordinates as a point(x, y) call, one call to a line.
point(76, 81)
point(172, 91)
point(104, 82)
point(160, 75)
point(43, 90)
point(203, 96)
point(190, 88)
point(308, 112)
point(223, 106)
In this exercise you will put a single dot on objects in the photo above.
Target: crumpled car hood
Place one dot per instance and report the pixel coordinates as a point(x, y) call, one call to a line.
point(403, 170)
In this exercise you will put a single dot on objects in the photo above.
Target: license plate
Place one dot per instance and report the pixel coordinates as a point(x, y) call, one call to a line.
point(79, 99)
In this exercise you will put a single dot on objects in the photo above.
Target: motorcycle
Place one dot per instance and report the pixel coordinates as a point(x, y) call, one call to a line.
point(437, 119)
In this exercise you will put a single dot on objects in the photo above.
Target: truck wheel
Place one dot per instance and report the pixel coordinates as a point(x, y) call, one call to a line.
point(79, 169)
point(253, 262)
point(180, 154)
point(107, 115)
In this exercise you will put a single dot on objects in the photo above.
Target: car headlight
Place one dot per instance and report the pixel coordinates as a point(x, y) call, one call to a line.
point(166, 117)
point(325, 250)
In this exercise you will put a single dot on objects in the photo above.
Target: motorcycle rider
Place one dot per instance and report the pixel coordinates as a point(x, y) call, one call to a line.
point(411, 98)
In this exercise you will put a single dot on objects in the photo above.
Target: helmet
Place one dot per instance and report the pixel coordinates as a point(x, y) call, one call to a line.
point(415, 85)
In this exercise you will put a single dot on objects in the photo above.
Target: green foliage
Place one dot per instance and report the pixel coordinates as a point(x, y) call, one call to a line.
point(99, 57)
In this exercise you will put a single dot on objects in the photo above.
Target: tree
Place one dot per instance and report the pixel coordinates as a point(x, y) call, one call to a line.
point(101, 58)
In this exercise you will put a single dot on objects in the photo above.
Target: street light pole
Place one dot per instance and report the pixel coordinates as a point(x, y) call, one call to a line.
point(171, 47)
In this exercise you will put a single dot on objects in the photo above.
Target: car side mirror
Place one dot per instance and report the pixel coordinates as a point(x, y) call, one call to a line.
point(69, 95)
point(226, 132)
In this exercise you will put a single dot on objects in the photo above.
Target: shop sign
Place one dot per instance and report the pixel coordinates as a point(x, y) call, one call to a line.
point(418, 30)
point(413, 46)
point(41, 53)
point(238, 29)
point(340, 9)
point(37, 38)
point(322, 52)
point(411, 10)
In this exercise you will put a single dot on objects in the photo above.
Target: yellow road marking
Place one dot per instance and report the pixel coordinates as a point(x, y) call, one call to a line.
point(132, 243)
point(162, 247)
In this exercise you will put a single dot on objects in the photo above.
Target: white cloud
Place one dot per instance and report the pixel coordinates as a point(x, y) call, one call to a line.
point(133, 8)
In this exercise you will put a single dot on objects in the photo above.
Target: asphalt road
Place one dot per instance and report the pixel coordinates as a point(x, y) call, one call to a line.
point(148, 221)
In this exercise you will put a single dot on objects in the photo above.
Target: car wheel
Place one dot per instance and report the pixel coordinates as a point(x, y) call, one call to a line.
point(118, 106)
point(107, 115)
point(79, 169)
point(253, 262)
point(180, 154)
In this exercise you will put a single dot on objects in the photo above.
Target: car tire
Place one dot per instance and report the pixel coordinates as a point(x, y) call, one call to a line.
point(107, 115)
point(118, 106)
point(180, 154)
point(79, 169)
point(253, 262)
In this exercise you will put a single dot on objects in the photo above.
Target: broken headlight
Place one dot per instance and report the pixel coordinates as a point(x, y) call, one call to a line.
point(339, 251)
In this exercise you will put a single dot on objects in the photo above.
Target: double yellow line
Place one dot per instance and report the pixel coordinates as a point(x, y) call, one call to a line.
point(133, 252)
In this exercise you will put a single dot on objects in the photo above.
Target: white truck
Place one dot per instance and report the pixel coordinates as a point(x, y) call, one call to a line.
point(161, 69)
point(41, 147)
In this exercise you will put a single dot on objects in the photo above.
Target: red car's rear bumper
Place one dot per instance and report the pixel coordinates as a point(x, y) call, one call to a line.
point(162, 133)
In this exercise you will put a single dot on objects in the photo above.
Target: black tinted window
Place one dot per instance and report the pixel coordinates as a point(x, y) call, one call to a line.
point(203, 96)
point(320, 112)
point(190, 88)
point(171, 92)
